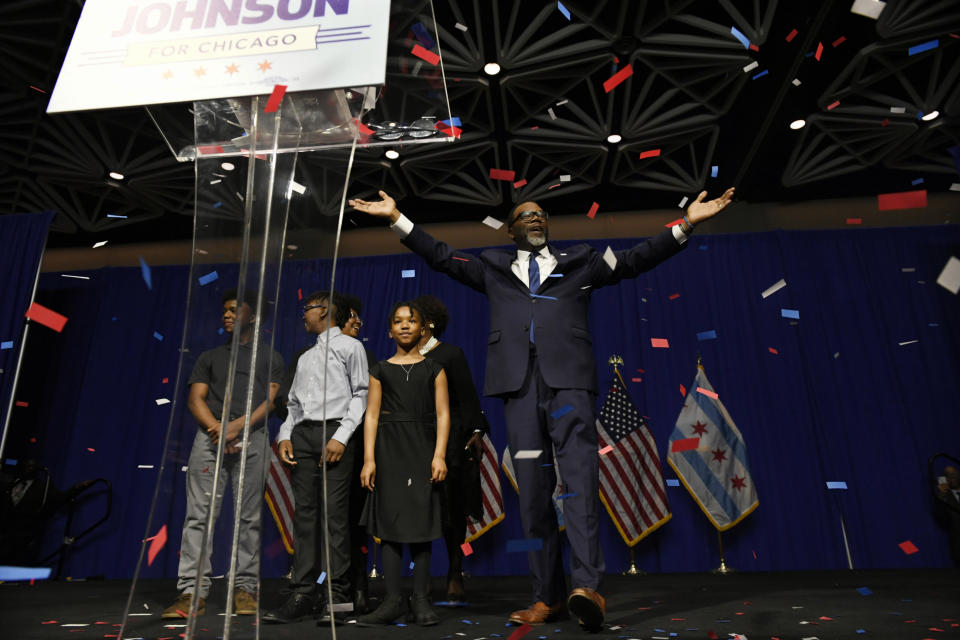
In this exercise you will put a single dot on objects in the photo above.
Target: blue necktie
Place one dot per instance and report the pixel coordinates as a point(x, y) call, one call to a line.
point(534, 284)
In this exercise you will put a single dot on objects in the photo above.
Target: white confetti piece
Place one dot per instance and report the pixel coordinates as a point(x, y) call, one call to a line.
point(772, 289)
point(162, 401)
point(527, 454)
point(460, 26)
point(99, 244)
point(683, 202)
point(796, 82)
point(949, 278)
point(552, 115)
point(906, 342)
point(610, 259)
point(565, 178)
point(898, 109)
point(750, 67)
point(296, 186)
point(492, 222)
point(908, 269)
point(144, 466)
point(955, 186)
point(868, 8)
point(67, 275)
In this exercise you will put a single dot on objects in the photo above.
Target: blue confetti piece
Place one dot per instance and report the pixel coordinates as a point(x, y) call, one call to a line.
point(790, 313)
point(145, 272)
point(217, 205)
point(714, 170)
point(207, 279)
point(744, 40)
point(114, 215)
point(423, 35)
point(547, 464)
point(11, 462)
point(323, 576)
point(837, 485)
point(702, 247)
point(920, 48)
point(564, 496)
point(158, 336)
point(7, 344)
point(861, 631)
point(411, 565)
point(673, 482)
point(563, 10)
point(220, 330)
point(929, 324)
point(707, 335)
point(517, 546)
point(23, 574)
point(451, 604)
point(408, 273)
point(809, 55)
point(113, 319)
point(917, 181)
point(466, 622)
point(555, 275)
point(660, 630)
point(864, 591)
point(562, 411)
point(399, 624)
point(452, 122)
point(761, 74)
point(673, 634)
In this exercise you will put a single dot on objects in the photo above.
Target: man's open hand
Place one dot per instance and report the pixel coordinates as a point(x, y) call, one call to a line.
point(698, 211)
point(386, 208)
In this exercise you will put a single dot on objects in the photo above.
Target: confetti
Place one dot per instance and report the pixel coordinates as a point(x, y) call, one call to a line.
point(466, 549)
point(707, 335)
point(854, 220)
point(158, 336)
point(47, 317)
point(156, 544)
point(7, 344)
point(772, 289)
point(521, 631)
point(792, 35)
point(684, 444)
point(492, 222)
point(790, 313)
point(714, 170)
point(833, 105)
point(162, 401)
point(708, 393)
point(674, 296)
point(674, 223)
point(519, 183)
point(562, 411)
point(565, 178)
point(208, 278)
point(761, 74)
point(610, 84)
point(610, 258)
point(563, 10)
point(527, 544)
point(273, 102)
point(425, 55)
point(796, 82)
point(97, 245)
point(902, 200)
point(903, 344)
point(408, 273)
point(739, 36)
point(607, 449)
point(772, 350)
point(22, 574)
point(864, 591)
point(819, 51)
point(659, 343)
point(949, 277)
point(955, 186)
point(144, 466)
point(836, 484)
point(750, 67)
point(145, 272)
point(673, 482)
point(460, 27)
point(596, 207)
point(908, 547)
point(920, 48)
point(21, 403)
point(502, 174)
point(296, 187)
point(683, 202)
point(423, 35)
point(651, 153)
point(550, 113)
point(683, 391)
point(868, 8)
point(839, 41)
point(636, 379)
point(527, 454)
point(323, 576)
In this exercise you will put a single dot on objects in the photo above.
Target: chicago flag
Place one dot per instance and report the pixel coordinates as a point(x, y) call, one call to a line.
point(707, 452)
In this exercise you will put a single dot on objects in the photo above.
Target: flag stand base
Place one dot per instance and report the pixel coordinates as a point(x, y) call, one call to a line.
point(632, 570)
point(374, 574)
point(724, 568)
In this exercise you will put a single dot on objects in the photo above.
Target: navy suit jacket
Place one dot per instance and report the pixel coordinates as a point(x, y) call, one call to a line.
point(562, 333)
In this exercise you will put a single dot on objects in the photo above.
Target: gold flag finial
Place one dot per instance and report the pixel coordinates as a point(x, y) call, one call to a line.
point(616, 361)
point(699, 362)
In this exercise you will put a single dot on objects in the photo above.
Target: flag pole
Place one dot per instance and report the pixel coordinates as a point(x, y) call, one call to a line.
point(724, 568)
point(374, 574)
point(632, 570)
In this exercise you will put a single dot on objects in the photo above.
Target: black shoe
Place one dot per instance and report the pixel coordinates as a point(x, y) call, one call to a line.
point(422, 610)
point(389, 610)
point(360, 604)
point(299, 606)
point(341, 612)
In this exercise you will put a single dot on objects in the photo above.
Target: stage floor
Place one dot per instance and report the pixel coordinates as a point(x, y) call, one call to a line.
point(915, 604)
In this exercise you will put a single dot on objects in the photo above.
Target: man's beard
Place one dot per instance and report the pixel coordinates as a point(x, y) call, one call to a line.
point(537, 241)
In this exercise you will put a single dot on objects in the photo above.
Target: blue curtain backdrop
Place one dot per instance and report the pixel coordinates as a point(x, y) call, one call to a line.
point(840, 400)
point(22, 238)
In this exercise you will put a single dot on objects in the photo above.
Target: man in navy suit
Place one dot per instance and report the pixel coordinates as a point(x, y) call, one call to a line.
point(540, 362)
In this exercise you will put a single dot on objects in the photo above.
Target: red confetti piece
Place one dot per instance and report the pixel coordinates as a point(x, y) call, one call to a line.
point(826, 618)
point(299, 294)
point(754, 47)
point(641, 371)
point(363, 550)
point(33, 441)
point(683, 391)
point(772, 350)
point(908, 547)
point(466, 549)
point(520, 632)
point(47, 317)
point(684, 444)
point(902, 200)
point(519, 183)
point(607, 449)
point(792, 35)
point(21, 403)
point(460, 259)
point(674, 296)
point(659, 343)
point(593, 210)
point(273, 103)
point(819, 51)
point(502, 174)
point(91, 450)
point(636, 379)
point(617, 78)
point(364, 129)
point(674, 223)
point(885, 122)
point(425, 55)
point(49, 622)
point(209, 149)
point(839, 41)
point(854, 220)
point(165, 381)
point(554, 186)
point(708, 393)
point(157, 542)
point(833, 105)
point(37, 89)
point(450, 131)
point(651, 153)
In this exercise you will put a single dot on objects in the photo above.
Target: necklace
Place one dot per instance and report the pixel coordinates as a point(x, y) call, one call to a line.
point(407, 371)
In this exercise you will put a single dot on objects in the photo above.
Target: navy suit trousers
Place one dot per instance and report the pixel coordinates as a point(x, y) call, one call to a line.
point(573, 434)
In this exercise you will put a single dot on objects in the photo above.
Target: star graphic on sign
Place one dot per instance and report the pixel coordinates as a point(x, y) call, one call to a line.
point(699, 428)
point(719, 455)
point(232, 69)
point(264, 65)
point(200, 71)
point(738, 483)
point(167, 74)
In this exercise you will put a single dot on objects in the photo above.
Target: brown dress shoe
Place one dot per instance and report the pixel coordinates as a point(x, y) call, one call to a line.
point(181, 607)
point(588, 606)
point(244, 603)
point(539, 613)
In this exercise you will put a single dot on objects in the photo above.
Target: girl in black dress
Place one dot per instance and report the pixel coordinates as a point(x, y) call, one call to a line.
point(405, 440)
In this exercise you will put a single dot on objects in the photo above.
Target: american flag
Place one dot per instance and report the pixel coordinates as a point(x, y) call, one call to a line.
point(490, 490)
point(631, 483)
point(280, 498)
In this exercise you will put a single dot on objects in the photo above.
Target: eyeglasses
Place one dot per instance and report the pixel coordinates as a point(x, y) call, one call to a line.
point(527, 216)
point(356, 319)
point(314, 306)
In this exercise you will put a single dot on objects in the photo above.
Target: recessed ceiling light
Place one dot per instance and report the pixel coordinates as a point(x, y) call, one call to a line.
point(393, 155)
point(227, 166)
point(614, 138)
point(930, 116)
point(116, 175)
point(491, 68)
point(798, 124)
